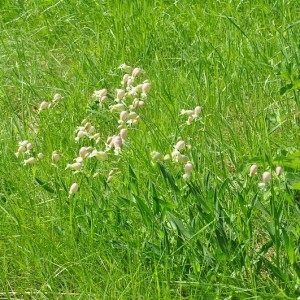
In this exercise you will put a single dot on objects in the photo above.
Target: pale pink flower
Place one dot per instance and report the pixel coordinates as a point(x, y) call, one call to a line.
point(180, 145)
point(253, 170)
point(125, 79)
point(120, 94)
point(117, 107)
point(197, 110)
point(188, 168)
point(56, 97)
point(84, 152)
point(266, 177)
point(29, 146)
point(117, 142)
point(100, 93)
point(278, 170)
point(76, 166)
point(74, 188)
point(146, 88)
point(43, 105)
point(123, 115)
point(29, 161)
point(123, 133)
point(55, 157)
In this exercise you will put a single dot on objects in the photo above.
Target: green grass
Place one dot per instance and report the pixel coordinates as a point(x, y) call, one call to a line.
point(149, 234)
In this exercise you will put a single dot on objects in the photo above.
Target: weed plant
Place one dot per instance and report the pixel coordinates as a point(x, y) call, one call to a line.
point(149, 149)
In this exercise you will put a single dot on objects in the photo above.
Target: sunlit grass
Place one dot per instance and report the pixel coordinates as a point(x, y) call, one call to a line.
point(168, 211)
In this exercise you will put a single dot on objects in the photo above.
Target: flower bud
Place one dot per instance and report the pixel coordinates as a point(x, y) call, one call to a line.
point(266, 177)
point(84, 152)
point(43, 105)
point(100, 93)
point(117, 142)
point(76, 166)
point(253, 170)
point(188, 168)
point(180, 145)
point(120, 94)
point(186, 176)
point(23, 143)
point(117, 107)
point(146, 87)
point(136, 72)
point(123, 133)
point(123, 115)
point(29, 146)
point(74, 188)
point(125, 79)
point(197, 110)
point(55, 157)
point(29, 161)
point(56, 97)
point(278, 170)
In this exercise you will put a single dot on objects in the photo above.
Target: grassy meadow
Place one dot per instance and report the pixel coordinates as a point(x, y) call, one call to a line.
point(149, 149)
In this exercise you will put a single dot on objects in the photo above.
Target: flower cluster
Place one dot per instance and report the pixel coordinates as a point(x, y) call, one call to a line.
point(177, 156)
point(192, 114)
point(25, 149)
point(124, 101)
point(266, 176)
point(45, 104)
